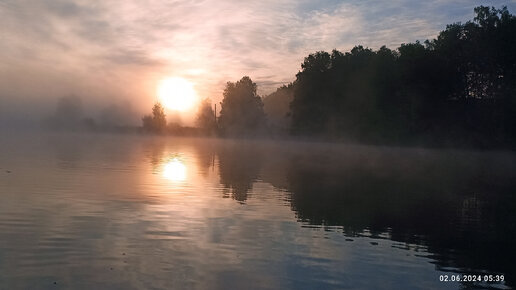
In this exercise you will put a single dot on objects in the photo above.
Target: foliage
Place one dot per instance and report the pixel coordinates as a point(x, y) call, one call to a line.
point(277, 108)
point(206, 118)
point(241, 109)
point(459, 88)
point(156, 122)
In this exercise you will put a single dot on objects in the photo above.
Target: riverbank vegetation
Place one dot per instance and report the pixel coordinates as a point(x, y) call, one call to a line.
point(458, 89)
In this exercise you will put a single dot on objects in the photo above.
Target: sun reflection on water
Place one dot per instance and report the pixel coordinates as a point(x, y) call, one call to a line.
point(174, 170)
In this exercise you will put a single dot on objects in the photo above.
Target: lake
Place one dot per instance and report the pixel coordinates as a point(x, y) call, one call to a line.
point(142, 212)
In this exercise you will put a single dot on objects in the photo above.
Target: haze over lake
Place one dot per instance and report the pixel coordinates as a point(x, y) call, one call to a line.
point(142, 212)
point(274, 144)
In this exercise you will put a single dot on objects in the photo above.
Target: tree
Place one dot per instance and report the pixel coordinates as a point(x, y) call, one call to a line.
point(481, 56)
point(156, 122)
point(338, 94)
point(241, 109)
point(459, 88)
point(277, 108)
point(206, 118)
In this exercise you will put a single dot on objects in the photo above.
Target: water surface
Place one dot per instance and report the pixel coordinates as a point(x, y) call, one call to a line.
point(136, 212)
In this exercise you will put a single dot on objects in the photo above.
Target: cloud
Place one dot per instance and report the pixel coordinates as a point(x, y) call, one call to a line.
point(123, 48)
point(131, 57)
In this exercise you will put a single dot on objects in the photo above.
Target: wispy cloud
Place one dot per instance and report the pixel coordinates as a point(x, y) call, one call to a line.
point(123, 48)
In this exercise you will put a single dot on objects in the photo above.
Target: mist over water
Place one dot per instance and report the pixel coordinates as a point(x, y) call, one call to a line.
point(137, 212)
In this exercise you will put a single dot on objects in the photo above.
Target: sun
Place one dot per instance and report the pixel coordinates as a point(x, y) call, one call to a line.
point(177, 94)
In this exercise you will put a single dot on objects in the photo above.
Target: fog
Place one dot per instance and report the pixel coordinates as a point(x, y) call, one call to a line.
point(69, 113)
point(329, 146)
point(450, 209)
point(113, 54)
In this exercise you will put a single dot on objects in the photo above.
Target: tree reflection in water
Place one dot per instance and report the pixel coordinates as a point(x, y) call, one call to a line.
point(458, 205)
point(239, 168)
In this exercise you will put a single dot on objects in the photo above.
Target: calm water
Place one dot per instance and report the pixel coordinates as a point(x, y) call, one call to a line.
point(131, 212)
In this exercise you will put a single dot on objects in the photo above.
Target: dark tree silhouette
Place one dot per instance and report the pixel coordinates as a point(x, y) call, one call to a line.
point(277, 108)
point(156, 122)
point(458, 89)
point(206, 118)
point(241, 109)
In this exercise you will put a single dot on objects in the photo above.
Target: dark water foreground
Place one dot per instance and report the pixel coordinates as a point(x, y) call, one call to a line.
point(126, 212)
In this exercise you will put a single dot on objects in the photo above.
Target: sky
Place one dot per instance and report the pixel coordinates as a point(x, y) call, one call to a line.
point(117, 52)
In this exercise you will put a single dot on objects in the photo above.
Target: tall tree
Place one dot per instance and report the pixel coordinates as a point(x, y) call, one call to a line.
point(156, 122)
point(459, 88)
point(311, 101)
point(206, 118)
point(277, 108)
point(241, 109)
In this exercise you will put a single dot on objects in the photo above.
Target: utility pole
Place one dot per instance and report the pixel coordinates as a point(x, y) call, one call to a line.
point(215, 112)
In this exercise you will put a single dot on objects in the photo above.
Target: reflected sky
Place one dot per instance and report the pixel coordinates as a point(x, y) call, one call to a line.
point(129, 212)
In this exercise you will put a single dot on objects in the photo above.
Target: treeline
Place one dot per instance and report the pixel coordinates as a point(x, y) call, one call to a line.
point(458, 89)
point(241, 115)
point(70, 115)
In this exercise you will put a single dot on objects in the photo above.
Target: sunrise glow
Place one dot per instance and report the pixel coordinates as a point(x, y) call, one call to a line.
point(177, 94)
point(174, 170)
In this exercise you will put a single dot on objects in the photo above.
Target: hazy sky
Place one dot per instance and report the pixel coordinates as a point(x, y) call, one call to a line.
point(113, 51)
